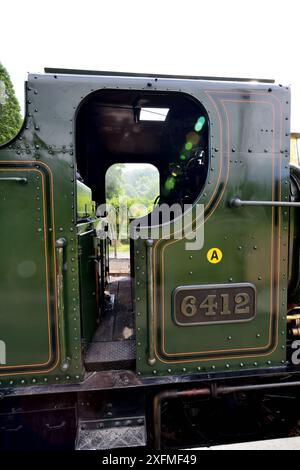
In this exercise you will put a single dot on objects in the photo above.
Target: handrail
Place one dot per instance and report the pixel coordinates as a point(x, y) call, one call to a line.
point(151, 357)
point(14, 178)
point(60, 251)
point(236, 202)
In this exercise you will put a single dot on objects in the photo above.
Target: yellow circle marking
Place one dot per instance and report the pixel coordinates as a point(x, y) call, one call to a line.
point(214, 255)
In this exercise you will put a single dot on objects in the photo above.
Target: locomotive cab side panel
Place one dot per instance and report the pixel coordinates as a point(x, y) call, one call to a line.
point(29, 313)
point(221, 141)
point(228, 312)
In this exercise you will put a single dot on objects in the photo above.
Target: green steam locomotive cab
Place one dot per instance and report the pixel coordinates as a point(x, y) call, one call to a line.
point(225, 308)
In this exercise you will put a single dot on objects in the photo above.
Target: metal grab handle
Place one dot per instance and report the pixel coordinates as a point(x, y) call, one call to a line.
point(60, 249)
point(14, 178)
point(236, 202)
point(151, 357)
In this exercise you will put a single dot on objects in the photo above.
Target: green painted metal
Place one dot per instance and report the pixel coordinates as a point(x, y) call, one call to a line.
point(25, 311)
point(249, 162)
point(85, 205)
point(87, 266)
point(249, 148)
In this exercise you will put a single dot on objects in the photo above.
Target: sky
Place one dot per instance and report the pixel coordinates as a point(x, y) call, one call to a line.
point(255, 38)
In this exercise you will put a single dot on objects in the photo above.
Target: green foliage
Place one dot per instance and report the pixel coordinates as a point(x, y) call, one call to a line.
point(138, 186)
point(114, 182)
point(142, 185)
point(10, 115)
point(131, 192)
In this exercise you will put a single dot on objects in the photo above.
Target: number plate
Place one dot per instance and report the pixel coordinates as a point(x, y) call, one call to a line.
point(215, 303)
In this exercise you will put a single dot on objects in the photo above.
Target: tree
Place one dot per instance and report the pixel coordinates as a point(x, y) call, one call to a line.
point(114, 181)
point(10, 114)
point(129, 189)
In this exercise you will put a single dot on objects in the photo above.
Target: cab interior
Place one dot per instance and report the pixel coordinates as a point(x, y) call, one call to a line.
point(169, 130)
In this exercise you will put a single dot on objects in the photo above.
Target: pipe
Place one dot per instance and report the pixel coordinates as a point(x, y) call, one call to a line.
point(253, 387)
point(205, 391)
point(291, 318)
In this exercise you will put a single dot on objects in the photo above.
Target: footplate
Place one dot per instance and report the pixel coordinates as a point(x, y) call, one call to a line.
point(111, 434)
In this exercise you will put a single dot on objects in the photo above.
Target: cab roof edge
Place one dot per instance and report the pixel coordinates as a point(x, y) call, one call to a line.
point(152, 75)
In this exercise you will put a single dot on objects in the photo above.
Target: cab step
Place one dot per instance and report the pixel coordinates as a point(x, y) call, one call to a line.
point(110, 420)
point(111, 434)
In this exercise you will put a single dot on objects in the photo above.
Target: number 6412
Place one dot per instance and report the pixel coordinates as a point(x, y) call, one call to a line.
point(214, 304)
